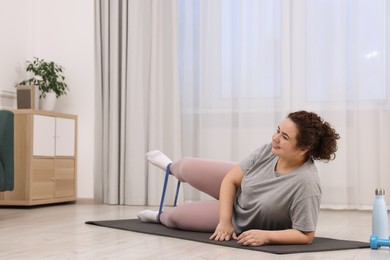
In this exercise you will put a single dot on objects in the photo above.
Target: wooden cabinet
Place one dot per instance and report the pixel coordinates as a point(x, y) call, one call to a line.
point(45, 158)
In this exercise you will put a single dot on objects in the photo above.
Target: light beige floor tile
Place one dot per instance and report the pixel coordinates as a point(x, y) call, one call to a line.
point(59, 232)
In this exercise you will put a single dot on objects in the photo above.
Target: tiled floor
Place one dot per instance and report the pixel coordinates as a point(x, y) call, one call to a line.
point(59, 232)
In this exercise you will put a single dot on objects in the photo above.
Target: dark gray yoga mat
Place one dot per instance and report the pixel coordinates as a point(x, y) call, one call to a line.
point(319, 243)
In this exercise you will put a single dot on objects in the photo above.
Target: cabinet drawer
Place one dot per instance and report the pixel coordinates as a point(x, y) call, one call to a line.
point(65, 168)
point(42, 186)
point(65, 185)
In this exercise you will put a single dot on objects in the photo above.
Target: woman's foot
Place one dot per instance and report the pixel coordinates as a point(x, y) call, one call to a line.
point(150, 216)
point(159, 159)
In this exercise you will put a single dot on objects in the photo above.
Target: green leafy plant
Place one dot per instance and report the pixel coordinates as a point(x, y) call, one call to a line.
point(47, 76)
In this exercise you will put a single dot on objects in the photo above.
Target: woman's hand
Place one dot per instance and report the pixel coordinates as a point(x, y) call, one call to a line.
point(224, 232)
point(253, 237)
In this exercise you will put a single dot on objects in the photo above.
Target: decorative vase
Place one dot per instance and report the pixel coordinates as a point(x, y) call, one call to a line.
point(48, 102)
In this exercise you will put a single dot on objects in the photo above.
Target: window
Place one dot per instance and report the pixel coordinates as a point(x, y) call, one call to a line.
point(228, 51)
point(346, 50)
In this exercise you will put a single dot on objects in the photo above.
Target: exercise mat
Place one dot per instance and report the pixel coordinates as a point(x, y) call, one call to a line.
point(319, 243)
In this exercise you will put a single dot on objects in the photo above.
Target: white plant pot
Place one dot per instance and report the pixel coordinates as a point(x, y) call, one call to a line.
point(49, 102)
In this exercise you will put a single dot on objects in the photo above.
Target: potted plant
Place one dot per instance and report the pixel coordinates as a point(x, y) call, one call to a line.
point(48, 77)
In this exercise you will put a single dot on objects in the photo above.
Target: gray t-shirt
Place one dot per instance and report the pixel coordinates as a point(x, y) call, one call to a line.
point(271, 201)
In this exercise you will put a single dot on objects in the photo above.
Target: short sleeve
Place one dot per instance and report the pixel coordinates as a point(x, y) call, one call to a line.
point(250, 160)
point(304, 215)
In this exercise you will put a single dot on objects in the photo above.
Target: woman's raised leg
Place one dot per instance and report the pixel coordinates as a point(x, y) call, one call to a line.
point(203, 174)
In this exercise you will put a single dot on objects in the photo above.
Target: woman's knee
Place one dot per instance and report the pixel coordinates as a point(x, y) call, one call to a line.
point(181, 166)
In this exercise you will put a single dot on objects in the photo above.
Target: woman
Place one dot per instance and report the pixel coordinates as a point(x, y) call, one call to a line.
point(271, 197)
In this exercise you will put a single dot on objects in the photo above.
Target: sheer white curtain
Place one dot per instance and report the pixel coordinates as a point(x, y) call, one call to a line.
point(230, 77)
point(347, 80)
point(137, 100)
point(245, 64)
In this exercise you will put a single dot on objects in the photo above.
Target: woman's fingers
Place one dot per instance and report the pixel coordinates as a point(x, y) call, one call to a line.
point(222, 236)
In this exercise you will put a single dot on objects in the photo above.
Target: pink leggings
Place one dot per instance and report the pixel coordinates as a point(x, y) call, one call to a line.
point(206, 176)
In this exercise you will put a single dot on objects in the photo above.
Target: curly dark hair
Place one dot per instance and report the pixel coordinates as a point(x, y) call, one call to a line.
point(316, 134)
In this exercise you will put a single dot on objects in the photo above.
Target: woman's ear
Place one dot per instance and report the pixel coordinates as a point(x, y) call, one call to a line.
point(304, 150)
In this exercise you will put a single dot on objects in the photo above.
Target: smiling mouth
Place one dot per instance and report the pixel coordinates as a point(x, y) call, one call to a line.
point(275, 146)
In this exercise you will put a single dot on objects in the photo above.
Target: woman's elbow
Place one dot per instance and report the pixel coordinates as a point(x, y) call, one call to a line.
point(309, 237)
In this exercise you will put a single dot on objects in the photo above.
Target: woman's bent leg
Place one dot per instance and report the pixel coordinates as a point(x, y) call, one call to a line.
point(204, 175)
point(202, 216)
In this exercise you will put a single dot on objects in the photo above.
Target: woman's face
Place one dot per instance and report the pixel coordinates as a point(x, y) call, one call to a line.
point(284, 142)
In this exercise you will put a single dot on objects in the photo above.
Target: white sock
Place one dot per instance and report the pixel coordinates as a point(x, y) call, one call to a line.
point(158, 158)
point(148, 215)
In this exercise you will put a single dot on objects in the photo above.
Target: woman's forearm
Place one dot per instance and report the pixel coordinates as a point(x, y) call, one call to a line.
point(225, 230)
point(257, 237)
point(228, 192)
point(226, 200)
point(290, 236)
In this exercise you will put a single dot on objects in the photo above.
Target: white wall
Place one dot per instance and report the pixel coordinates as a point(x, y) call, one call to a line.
point(62, 31)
